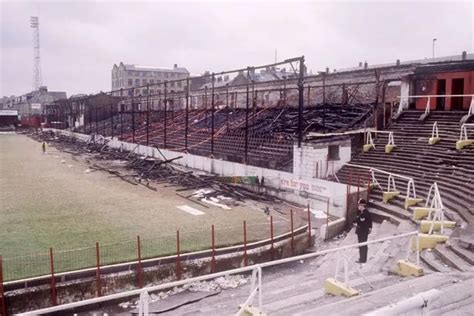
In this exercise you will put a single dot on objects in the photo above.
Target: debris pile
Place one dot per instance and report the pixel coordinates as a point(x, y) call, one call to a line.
point(149, 170)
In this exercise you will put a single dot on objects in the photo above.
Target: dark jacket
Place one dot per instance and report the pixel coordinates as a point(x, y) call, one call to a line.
point(364, 223)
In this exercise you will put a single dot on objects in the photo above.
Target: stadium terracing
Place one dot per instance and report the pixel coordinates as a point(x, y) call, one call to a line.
point(269, 121)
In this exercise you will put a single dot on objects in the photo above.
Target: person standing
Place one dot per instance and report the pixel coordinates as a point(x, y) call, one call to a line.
point(44, 147)
point(363, 228)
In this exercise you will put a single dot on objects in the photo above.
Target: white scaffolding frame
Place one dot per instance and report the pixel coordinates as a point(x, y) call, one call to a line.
point(411, 188)
point(369, 139)
point(434, 202)
point(417, 251)
point(434, 131)
point(374, 180)
point(391, 183)
point(463, 132)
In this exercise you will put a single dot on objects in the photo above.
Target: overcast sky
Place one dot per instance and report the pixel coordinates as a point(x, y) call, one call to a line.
point(80, 41)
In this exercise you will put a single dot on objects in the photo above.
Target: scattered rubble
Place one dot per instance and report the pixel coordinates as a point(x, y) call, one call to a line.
point(148, 170)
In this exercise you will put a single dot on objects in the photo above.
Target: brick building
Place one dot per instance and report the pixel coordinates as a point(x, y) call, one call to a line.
point(134, 76)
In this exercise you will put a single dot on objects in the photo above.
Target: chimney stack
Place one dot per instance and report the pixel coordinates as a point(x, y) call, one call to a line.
point(366, 65)
point(464, 55)
point(175, 66)
point(360, 64)
point(398, 62)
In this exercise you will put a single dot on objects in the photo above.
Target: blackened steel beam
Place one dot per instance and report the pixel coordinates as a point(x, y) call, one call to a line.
point(96, 119)
point(247, 117)
point(133, 115)
point(112, 119)
point(212, 113)
point(300, 101)
point(147, 114)
point(166, 109)
point(227, 105)
point(187, 116)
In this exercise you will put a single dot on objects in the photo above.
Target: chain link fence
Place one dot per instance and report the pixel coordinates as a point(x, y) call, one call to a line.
point(63, 260)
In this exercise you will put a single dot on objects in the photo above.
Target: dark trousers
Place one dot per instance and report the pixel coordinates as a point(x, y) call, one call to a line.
point(363, 249)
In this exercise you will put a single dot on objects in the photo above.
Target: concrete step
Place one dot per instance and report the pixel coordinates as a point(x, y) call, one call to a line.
point(433, 262)
point(450, 258)
point(392, 210)
point(464, 254)
point(394, 292)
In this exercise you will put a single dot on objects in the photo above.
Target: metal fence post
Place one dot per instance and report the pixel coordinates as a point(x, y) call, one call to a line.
point(327, 219)
point(213, 259)
point(348, 200)
point(140, 270)
point(3, 300)
point(292, 234)
point(165, 114)
point(245, 244)
point(97, 275)
point(309, 227)
point(53, 281)
point(96, 118)
point(187, 117)
point(358, 188)
point(272, 249)
point(178, 261)
point(133, 115)
point(212, 113)
point(111, 121)
point(368, 187)
point(147, 114)
point(247, 104)
point(300, 101)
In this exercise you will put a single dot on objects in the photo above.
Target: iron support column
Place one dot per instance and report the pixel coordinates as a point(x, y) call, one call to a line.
point(212, 113)
point(300, 102)
point(247, 104)
point(187, 116)
point(147, 114)
point(227, 105)
point(111, 120)
point(133, 115)
point(166, 109)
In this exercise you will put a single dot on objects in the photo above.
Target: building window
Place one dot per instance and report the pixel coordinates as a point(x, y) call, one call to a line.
point(130, 82)
point(144, 82)
point(152, 81)
point(180, 84)
point(152, 91)
point(333, 152)
point(144, 92)
point(137, 82)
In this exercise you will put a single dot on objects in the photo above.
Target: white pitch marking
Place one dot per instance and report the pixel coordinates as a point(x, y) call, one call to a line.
point(190, 210)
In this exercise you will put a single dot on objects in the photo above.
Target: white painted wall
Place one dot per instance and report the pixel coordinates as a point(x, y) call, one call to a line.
point(310, 161)
point(404, 92)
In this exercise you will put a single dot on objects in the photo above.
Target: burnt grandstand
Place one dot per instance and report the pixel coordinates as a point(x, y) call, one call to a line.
point(272, 132)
